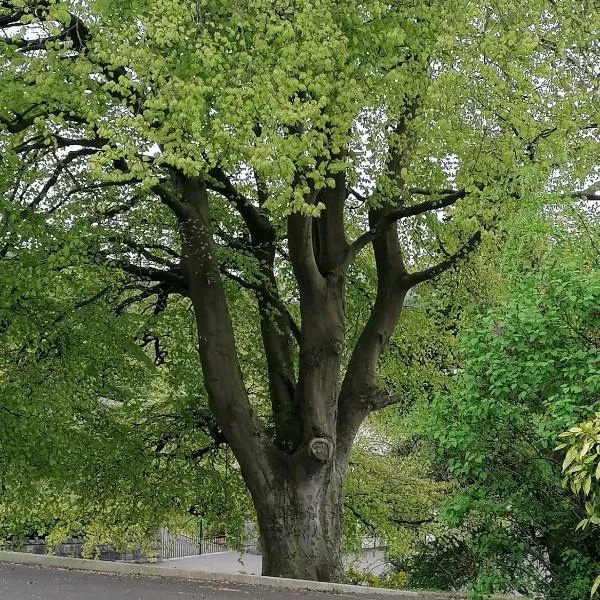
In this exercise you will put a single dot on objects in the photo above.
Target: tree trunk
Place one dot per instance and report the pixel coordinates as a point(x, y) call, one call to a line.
point(300, 520)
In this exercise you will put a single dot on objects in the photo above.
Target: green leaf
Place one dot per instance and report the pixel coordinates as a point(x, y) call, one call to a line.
point(570, 457)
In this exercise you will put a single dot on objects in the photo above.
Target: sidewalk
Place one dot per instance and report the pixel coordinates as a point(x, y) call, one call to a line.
point(251, 564)
point(219, 562)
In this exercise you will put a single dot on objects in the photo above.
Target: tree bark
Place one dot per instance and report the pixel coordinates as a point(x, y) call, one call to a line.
point(300, 521)
point(223, 379)
point(297, 496)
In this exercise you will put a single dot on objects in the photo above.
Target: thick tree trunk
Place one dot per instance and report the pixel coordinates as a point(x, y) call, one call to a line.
point(297, 483)
point(300, 520)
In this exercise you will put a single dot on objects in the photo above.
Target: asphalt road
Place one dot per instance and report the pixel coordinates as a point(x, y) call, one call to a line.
point(22, 582)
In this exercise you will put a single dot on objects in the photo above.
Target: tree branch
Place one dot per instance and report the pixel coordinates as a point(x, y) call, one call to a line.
point(173, 276)
point(147, 293)
point(273, 300)
point(447, 198)
point(329, 236)
point(61, 165)
point(21, 121)
point(144, 250)
point(301, 251)
point(592, 192)
point(412, 279)
point(170, 199)
point(118, 209)
point(60, 141)
point(256, 221)
point(277, 327)
point(222, 373)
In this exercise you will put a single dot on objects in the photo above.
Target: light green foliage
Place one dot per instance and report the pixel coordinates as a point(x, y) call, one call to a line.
point(395, 580)
point(200, 76)
point(95, 440)
point(582, 470)
point(582, 465)
point(389, 495)
point(392, 490)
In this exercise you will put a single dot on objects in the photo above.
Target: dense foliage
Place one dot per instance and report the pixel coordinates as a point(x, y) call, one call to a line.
point(95, 438)
point(530, 371)
point(270, 186)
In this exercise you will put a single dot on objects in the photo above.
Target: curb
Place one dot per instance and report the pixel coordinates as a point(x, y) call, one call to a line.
point(148, 570)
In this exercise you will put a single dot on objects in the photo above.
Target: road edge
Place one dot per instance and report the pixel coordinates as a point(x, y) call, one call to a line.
point(149, 570)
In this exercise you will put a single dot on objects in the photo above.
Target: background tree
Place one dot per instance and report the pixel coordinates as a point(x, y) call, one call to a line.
point(97, 439)
point(529, 371)
point(205, 147)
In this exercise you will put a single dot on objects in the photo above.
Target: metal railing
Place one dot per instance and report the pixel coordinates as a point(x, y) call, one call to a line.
point(179, 545)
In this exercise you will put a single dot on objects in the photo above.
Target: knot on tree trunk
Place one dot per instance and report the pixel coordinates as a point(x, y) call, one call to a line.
point(320, 449)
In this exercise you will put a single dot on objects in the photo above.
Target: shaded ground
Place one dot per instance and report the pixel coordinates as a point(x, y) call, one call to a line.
point(21, 582)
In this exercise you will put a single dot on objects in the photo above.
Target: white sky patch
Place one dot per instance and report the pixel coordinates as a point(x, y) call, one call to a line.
point(371, 441)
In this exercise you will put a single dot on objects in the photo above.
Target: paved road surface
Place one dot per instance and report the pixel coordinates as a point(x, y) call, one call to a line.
point(21, 582)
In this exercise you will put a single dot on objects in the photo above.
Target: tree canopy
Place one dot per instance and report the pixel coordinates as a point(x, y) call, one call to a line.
point(266, 165)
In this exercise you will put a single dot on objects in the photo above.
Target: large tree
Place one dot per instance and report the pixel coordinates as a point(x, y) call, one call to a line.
point(284, 147)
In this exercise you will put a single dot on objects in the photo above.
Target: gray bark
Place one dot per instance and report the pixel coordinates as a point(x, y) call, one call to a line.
point(300, 520)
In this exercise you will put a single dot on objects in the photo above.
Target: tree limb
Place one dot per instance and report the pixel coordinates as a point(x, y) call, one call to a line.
point(147, 293)
point(412, 279)
point(447, 198)
point(222, 373)
point(277, 327)
point(174, 277)
point(256, 221)
point(592, 192)
point(273, 300)
point(61, 165)
point(170, 199)
point(60, 141)
point(301, 251)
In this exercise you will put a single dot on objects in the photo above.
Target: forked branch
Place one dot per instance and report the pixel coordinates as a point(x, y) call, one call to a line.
point(447, 198)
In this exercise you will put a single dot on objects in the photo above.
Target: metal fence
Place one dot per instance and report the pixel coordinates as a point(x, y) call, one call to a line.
point(178, 545)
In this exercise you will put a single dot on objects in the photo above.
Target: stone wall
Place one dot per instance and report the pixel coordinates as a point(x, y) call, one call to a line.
point(73, 547)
